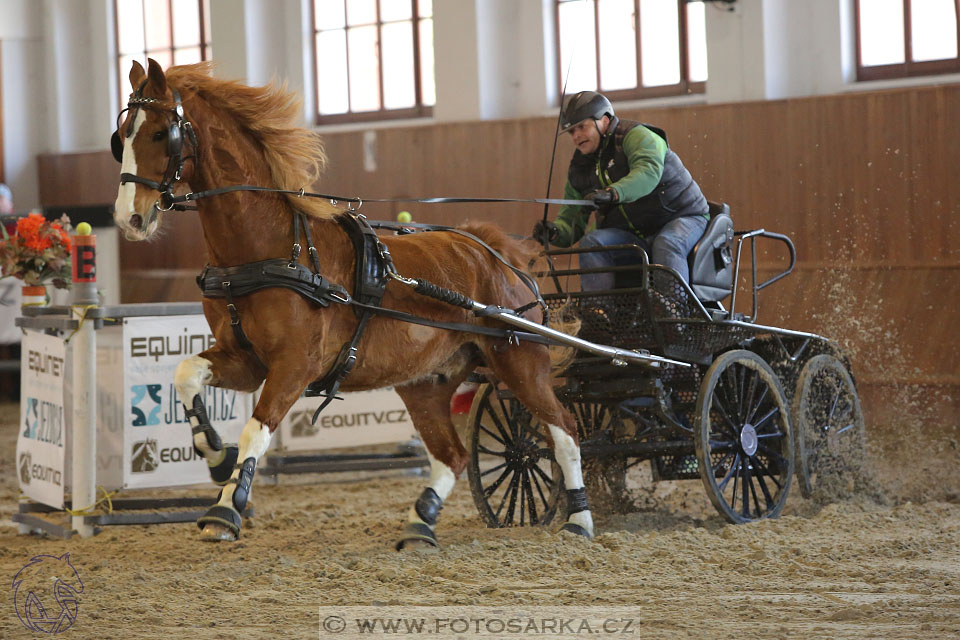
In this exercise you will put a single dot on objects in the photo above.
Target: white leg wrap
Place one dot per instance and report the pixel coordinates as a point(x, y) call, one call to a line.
point(254, 442)
point(567, 454)
point(190, 377)
point(441, 477)
point(442, 480)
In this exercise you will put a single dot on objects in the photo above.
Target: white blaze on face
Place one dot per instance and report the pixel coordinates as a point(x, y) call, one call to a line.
point(125, 207)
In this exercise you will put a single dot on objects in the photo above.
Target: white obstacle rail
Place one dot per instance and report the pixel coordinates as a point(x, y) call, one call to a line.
point(99, 413)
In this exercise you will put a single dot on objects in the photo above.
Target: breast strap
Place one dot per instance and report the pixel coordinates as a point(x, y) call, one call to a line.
point(244, 279)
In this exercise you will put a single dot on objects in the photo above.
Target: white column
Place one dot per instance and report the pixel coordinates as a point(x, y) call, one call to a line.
point(24, 97)
point(456, 56)
point(804, 47)
point(512, 58)
point(228, 32)
point(735, 52)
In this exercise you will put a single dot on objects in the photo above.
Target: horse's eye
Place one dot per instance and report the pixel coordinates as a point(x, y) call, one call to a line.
point(160, 135)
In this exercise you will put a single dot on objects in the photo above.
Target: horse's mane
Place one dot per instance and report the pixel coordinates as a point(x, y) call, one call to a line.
point(295, 155)
point(518, 252)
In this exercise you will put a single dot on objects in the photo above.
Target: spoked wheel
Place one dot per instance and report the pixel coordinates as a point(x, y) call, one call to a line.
point(512, 473)
point(743, 440)
point(828, 425)
point(605, 477)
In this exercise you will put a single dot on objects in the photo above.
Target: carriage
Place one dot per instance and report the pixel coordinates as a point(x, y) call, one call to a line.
point(750, 405)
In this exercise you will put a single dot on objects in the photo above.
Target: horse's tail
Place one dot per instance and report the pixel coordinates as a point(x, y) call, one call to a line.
point(520, 253)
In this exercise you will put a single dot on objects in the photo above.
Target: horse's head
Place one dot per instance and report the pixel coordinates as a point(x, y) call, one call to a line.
point(149, 143)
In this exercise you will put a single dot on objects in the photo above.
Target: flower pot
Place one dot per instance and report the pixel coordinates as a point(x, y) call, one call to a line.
point(34, 295)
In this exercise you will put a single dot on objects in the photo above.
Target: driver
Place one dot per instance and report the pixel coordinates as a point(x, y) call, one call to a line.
point(644, 194)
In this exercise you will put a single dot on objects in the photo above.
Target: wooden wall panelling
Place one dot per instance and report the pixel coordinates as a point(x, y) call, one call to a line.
point(934, 149)
point(78, 179)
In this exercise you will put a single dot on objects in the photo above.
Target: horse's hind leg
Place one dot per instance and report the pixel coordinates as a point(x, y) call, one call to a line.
point(221, 369)
point(525, 369)
point(429, 405)
point(282, 388)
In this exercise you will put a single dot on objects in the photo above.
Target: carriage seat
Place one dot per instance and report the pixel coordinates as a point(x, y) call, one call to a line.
point(711, 261)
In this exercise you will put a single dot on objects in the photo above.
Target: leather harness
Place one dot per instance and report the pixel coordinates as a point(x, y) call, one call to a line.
point(244, 279)
point(373, 266)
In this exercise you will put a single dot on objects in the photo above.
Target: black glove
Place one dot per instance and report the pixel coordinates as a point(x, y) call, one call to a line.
point(544, 231)
point(603, 196)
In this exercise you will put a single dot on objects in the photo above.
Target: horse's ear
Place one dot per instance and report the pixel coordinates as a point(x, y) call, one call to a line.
point(137, 74)
point(157, 79)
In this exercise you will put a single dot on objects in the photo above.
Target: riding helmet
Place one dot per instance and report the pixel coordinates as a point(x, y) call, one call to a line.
point(583, 105)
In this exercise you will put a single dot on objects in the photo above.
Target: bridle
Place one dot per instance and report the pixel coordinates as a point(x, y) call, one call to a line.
point(179, 129)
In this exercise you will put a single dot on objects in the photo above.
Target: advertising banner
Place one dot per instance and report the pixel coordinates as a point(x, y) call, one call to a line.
point(41, 443)
point(361, 418)
point(158, 446)
point(110, 413)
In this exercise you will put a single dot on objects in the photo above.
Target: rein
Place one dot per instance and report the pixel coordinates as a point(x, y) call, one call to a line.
point(176, 201)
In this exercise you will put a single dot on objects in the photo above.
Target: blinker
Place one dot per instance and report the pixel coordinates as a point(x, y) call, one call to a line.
point(116, 146)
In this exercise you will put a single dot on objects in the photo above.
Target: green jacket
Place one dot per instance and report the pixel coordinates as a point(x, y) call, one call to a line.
point(652, 184)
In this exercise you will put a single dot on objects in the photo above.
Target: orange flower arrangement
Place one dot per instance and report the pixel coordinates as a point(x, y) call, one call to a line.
point(39, 251)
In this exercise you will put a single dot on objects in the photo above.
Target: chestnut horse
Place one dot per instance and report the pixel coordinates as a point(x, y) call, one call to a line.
point(184, 125)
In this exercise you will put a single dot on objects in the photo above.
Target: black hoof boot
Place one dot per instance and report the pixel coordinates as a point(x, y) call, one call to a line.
point(417, 534)
point(220, 523)
point(576, 529)
point(220, 473)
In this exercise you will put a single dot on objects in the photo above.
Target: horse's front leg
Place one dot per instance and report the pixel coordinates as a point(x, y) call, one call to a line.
point(218, 368)
point(282, 388)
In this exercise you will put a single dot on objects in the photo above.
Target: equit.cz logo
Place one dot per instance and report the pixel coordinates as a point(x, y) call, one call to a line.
point(146, 404)
point(144, 456)
point(45, 594)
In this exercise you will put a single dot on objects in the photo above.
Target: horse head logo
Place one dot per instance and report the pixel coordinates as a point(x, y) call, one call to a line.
point(45, 594)
point(145, 456)
point(26, 461)
point(301, 425)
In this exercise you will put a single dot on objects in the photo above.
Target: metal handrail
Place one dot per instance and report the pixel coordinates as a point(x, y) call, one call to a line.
point(752, 236)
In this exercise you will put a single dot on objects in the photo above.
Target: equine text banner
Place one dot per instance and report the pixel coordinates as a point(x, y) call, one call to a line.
point(361, 418)
point(41, 443)
point(158, 446)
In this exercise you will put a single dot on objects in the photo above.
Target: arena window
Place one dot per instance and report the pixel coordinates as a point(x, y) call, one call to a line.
point(373, 59)
point(904, 38)
point(632, 48)
point(169, 31)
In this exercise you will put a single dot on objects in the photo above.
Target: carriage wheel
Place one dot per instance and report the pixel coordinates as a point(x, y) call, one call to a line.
point(828, 424)
point(743, 440)
point(512, 473)
point(605, 477)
